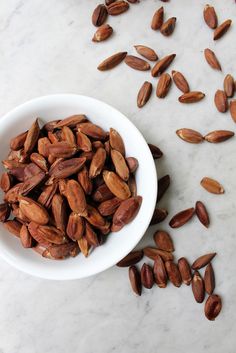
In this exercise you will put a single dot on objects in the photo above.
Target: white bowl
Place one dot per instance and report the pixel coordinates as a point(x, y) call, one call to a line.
point(119, 244)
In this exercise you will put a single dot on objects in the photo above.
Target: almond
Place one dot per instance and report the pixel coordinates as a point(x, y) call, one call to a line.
point(18, 141)
point(32, 137)
point(40, 161)
point(152, 253)
point(168, 27)
point(229, 86)
point(189, 135)
point(132, 164)
point(112, 61)
point(116, 185)
point(156, 152)
point(146, 52)
point(218, 136)
point(198, 287)
point(99, 15)
point(159, 215)
point(136, 63)
point(61, 251)
point(117, 7)
point(91, 236)
point(14, 227)
point(50, 126)
point(68, 135)
point(116, 141)
point(162, 65)
point(185, 271)
point(25, 237)
point(108, 208)
point(232, 108)
point(103, 33)
point(97, 163)
point(163, 241)
point(6, 182)
point(202, 213)
point(222, 29)
point(102, 193)
point(94, 218)
point(33, 229)
point(92, 130)
point(75, 227)
point(202, 261)
point(131, 259)
point(45, 198)
point(132, 185)
point(62, 149)
point(147, 279)
point(181, 218)
point(85, 181)
point(4, 212)
point(209, 279)
point(144, 94)
point(180, 81)
point(163, 85)
point(212, 59)
point(51, 234)
point(173, 273)
point(84, 246)
point(33, 210)
point(210, 16)
point(43, 144)
point(71, 121)
point(126, 212)
point(157, 19)
point(159, 272)
point(212, 186)
point(163, 185)
point(135, 280)
point(59, 211)
point(83, 142)
point(66, 168)
point(120, 165)
point(76, 197)
point(191, 97)
point(221, 101)
point(213, 306)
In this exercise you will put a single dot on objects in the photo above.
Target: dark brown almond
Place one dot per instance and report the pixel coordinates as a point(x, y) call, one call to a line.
point(99, 15)
point(162, 65)
point(132, 164)
point(32, 137)
point(212, 186)
point(232, 108)
point(210, 16)
point(212, 59)
point(85, 181)
point(147, 279)
point(135, 280)
point(229, 86)
point(18, 141)
point(155, 151)
point(163, 240)
point(14, 227)
point(159, 215)
point(126, 212)
point(75, 227)
point(59, 211)
point(202, 261)
point(163, 85)
point(131, 259)
point(102, 193)
point(218, 136)
point(116, 185)
point(146, 52)
point(116, 141)
point(136, 63)
point(39, 160)
point(84, 246)
point(6, 182)
point(157, 19)
point(43, 144)
point(198, 287)
point(108, 2)
point(159, 272)
point(92, 130)
point(4, 212)
point(33, 210)
point(132, 185)
point(91, 236)
point(71, 121)
point(97, 163)
point(152, 253)
point(213, 307)
point(180, 81)
point(185, 271)
point(191, 97)
point(168, 27)
point(221, 29)
point(117, 7)
point(181, 218)
point(112, 61)
point(61, 251)
point(76, 197)
point(25, 237)
point(50, 126)
point(108, 208)
point(163, 185)
point(173, 273)
point(202, 213)
point(144, 94)
point(66, 168)
point(209, 279)
point(103, 33)
point(189, 135)
point(120, 165)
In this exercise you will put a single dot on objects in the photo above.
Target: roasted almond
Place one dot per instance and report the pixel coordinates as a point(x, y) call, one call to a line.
point(45, 198)
point(91, 236)
point(112, 61)
point(212, 186)
point(33, 210)
point(51, 234)
point(76, 197)
point(66, 168)
point(144, 94)
point(146, 52)
point(159, 271)
point(92, 130)
point(102, 193)
point(163, 185)
point(152, 253)
point(131, 259)
point(59, 211)
point(75, 227)
point(221, 29)
point(62, 149)
point(158, 216)
point(185, 271)
point(116, 141)
point(14, 227)
point(191, 97)
point(18, 141)
point(43, 144)
point(6, 182)
point(181, 218)
point(25, 237)
point(147, 279)
point(212, 59)
point(221, 102)
point(32, 137)
point(218, 136)
point(94, 218)
point(108, 208)
point(180, 81)
point(202, 213)
point(71, 121)
point(157, 19)
point(210, 16)
point(135, 280)
point(116, 185)
point(202, 261)
point(61, 251)
point(136, 63)
point(85, 181)
point(50, 126)
point(33, 229)
point(163, 240)
point(117, 7)
point(103, 33)
point(213, 306)
point(162, 65)
point(120, 165)
point(126, 212)
point(232, 108)
point(97, 163)
point(99, 15)
point(132, 185)
point(4, 212)
point(163, 85)
point(198, 287)
point(84, 246)
point(189, 135)
point(209, 279)
point(173, 273)
point(155, 151)
point(229, 86)
point(40, 161)
point(168, 27)
point(132, 164)
point(83, 142)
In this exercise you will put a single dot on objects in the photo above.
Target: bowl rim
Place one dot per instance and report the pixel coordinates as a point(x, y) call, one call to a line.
point(153, 174)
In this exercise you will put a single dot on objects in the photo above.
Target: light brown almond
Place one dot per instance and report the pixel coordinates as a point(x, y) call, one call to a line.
point(212, 186)
point(84, 246)
point(229, 86)
point(52, 234)
point(116, 185)
point(116, 141)
point(146, 52)
point(232, 108)
point(168, 27)
point(135, 280)
point(76, 197)
point(147, 279)
point(163, 240)
point(173, 273)
point(209, 279)
point(159, 215)
point(163, 85)
point(144, 94)
point(159, 272)
point(120, 165)
point(13, 226)
point(221, 102)
point(163, 185)
point(198, 287)
point(202, 261)
point(212, 59)
point(202, 213)
point(43, 144)
point(185, 271)
point(218, 136)
point(181, 218)
point(62, 149)
point(108, 208)
point(137, 63)
point(131, 259)
point(85, 181)
point(191, 97)
point(83, 142)
point(33, 210)
point(68, 135)
point(189, 135)
point(210, 16)
point(40, 161)
point(112, 61)
point(162, 65)
point(99, 15)
point(25, 237)
point(117, 7)
point(32, 137)
point(75, 226)
point(180, 81)
point(213, 307)
point(221, 29)
point(97, 163)
point(157, 19)
point(103, 33)
point(152, 253)
point(59, 211)
point(126, 212)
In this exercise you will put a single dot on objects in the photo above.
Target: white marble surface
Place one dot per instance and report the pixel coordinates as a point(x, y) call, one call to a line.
point(45, 48)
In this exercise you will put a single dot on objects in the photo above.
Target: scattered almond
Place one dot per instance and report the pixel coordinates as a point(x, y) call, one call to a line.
point(229, 86)
point(191, 97)
point(146, 52)
point(163, 85)
point(210, 16)
point(136, 63)
point(218, 136)
point(222, 29)
point(180, 81)
point(181, 218)
point(202, 213)
point(212, 186)
point(189, 135)
point(157, 19)
point(212, 59)
point(168, 27)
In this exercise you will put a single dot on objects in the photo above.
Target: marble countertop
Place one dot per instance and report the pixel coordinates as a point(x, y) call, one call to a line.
point(46, 48)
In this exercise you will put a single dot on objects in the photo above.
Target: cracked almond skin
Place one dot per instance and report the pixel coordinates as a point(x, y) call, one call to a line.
point(185, 271)
point(212, 186)
point(221, 101)
point(157, 19)
point(232, 109)
point(32, 137)
point(116, 141)
point(144, 94)
point(191, 97)
point(163, 85)
point(159, 215)
point(126, 213)
point(116, 185)
point(99, 15)
point(33, 210)
point(198, 287)
point(168, 27)
point(146, 52)
point(136, 63)
point(120, 165)
point(103, 33)
point(209, 279)
point(182, 217)
point(135, 280)
point(202, 261)
point(210, 16)
point(180, 81)
point(218, 136)
point(189, 135)
point(229, 86)
point(152, 253)
point(162, 65)
point(212, 59)
point(112, 61)
point(163, 241)
point(163, 185)
point(159, 271)
point(76, 197)
point(202, 213)
point(221, 29)
point(147, 279)
point(173, 273)
point(97, 163)
point(117, 7)
point(131, 259)
point(213, 307)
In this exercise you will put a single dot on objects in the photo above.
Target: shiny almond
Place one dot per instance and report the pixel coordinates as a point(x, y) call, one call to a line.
point(202, 261)
point(189, 135)
point(157, 19)
point(168, 27)
point(181, 218)
point(163, 241)
point(221, 29)
point(162, 65)
point(218, 136)
point(202, 213)
point(210, 16)
point(163, 85)
point(120, 164)
point(212, 59)
point(146, 52)
point(112, 61)
point(144, 94)
point(180, 81)
point(212, 186)
point(116, 185)
point(191, 97)
point(137, 63)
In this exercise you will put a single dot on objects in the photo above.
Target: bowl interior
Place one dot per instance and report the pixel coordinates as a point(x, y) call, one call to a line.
point(118, 244)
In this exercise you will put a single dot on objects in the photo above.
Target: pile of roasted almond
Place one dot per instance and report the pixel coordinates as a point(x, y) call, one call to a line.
point(68, 185)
